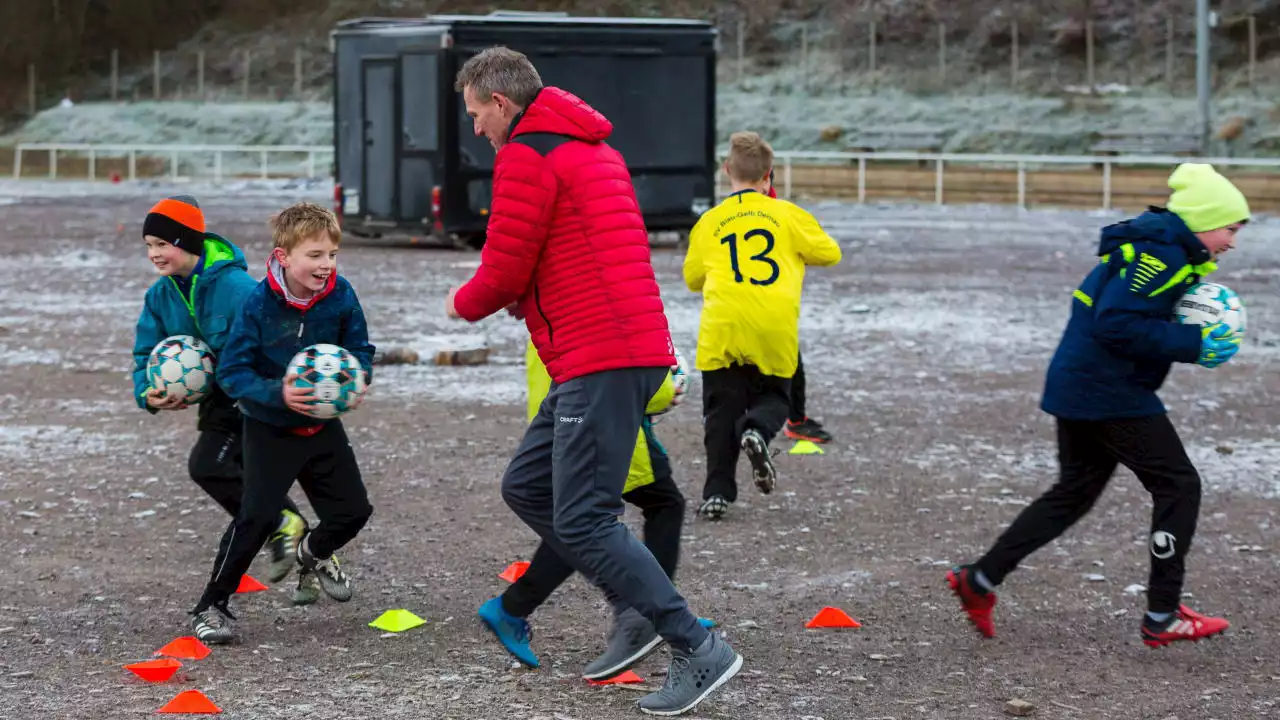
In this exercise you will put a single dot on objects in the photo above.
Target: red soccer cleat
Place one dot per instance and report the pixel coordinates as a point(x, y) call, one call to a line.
point(977, 607)
point(1186, 624)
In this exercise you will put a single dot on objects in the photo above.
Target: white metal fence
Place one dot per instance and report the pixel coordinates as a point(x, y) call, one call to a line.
point(216, 154)
point(308, 160)
point(785, 161)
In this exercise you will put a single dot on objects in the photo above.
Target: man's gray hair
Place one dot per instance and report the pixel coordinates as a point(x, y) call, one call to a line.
point(500, 70)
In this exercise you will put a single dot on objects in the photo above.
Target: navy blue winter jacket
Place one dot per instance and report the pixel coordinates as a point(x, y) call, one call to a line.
point(272, 328)
point(1122, 339)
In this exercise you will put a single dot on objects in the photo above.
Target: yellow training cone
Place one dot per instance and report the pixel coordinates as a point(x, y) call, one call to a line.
point(397, 621)
point(805, 447)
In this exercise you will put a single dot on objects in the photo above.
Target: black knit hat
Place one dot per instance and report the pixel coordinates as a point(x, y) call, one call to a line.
point(177, 220)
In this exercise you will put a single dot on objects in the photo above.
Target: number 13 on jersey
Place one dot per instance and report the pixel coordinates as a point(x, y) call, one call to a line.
point(749, 239)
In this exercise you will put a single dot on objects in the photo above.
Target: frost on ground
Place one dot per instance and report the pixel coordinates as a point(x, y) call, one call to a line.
point(980, 122)
point(926, 351)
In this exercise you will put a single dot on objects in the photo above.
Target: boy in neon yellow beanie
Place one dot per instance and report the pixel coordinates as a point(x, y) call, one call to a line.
point(1101, 387)
point(651, 487)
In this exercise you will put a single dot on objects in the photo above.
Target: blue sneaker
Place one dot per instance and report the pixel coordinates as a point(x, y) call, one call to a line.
point(512, 632)
point(707, 623)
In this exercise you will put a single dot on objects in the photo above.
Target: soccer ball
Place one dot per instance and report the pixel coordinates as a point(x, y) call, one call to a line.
point(679, 384)
point(679, 378)
point(181, 366)
point(335, 374)
point(1208, 303)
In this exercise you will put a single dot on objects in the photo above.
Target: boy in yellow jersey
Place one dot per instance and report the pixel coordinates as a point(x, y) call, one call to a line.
point(650, 487)
point(747, 257)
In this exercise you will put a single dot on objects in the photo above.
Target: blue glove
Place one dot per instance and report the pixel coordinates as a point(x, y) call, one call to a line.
point(1217, 344)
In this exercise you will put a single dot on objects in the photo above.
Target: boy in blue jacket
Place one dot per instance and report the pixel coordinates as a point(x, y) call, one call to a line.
point(203, 282)
point(1101, 386)
point(302, 302)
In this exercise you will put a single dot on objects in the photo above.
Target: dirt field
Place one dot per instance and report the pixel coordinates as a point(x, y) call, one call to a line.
point(926, 351)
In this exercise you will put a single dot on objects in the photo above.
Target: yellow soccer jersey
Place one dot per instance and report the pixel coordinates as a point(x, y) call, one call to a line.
point(747, 257)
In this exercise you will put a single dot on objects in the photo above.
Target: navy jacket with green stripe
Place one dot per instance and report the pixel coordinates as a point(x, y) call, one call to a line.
point(217, 291)
point(1122, 338)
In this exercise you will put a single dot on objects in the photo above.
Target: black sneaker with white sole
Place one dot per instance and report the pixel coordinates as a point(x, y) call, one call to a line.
point(714, 507)
point(757, 451)
point(212, 625)
point(333, 581)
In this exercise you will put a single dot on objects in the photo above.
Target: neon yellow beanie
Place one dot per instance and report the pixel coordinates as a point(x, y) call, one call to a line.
point(1204, 199)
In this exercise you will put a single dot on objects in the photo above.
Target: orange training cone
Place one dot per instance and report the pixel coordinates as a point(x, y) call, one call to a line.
point(191, 702)
point(831, 617)
point(185, 648)
point(514, 571)
point(248, 585)
point(155, 670)
point(625, 678)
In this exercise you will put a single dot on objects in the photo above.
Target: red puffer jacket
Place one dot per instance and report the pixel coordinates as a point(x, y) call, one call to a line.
point(566, 240)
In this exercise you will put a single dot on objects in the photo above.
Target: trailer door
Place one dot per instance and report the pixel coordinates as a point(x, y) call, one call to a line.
point(379, 112)
point(420, 123)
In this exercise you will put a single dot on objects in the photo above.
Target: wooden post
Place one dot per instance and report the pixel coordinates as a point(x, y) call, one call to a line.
point(200, 74)
point(942, 55)
point(31, 89)
point(1088, 54)
point(839, 43)
point(804, 57)
point(248, 59)
point(115, 74)
point(297, 74)
point(155, 75)
point(1013, 56)
point(1253, 48)
point(871, 49)
point(1168, 53)
point(742, 49)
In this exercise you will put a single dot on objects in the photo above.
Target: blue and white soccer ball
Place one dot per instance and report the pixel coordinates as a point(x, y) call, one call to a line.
point(336, 375)
point(1208, 303)
point(181, 366)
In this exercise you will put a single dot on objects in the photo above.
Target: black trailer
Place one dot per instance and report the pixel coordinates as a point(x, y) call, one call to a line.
point(407, 163)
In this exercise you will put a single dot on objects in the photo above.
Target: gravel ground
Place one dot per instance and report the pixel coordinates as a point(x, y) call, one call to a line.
point(926, 351)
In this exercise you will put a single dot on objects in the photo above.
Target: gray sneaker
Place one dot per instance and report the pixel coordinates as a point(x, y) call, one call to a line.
point(333, 581)
point(631, 638)
point(692, 677)
point(308, 590)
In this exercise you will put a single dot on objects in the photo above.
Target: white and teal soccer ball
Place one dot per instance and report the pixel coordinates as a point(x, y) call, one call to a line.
point(679, 378)
point(1208, 303)
point(181, 366)
point(335, 374)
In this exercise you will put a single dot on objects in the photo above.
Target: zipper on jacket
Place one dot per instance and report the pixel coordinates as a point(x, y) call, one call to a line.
point(537, 301)
point(189, 301)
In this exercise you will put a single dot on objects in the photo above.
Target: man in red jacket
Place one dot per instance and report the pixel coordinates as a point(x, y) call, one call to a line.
point(568, 251)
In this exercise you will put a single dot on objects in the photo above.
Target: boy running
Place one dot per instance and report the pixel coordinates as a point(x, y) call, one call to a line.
point(302, 302)
point(799, 425)
point(650, 487)
point(1101, 387)
point(203, 282)
point(747, 256)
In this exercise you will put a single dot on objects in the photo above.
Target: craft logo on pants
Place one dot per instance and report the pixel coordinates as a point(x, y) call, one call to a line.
point(570, 419)
point(1163, 545)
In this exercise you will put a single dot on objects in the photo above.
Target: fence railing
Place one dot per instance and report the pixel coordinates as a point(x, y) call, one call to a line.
point(1091, 180)
point(214, 155)
point(787, 164)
